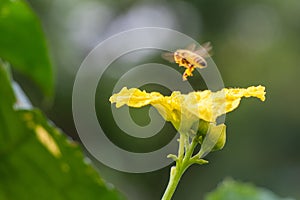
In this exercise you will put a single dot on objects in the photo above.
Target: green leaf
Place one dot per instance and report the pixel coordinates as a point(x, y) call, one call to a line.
point(37, 161)
point(22, 43)
point(232, 190)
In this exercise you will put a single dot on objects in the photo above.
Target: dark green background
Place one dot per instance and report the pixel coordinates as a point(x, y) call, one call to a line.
point(254, 42)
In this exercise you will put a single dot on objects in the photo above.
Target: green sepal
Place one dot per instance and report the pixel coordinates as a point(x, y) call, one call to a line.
point(199, 161)
point(222, 136)
point(217, 131)
point(213, 140)
point(203, 127)
point(172, 156)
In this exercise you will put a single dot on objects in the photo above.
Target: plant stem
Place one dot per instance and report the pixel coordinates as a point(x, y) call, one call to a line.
point(175, 176)
point(182, 163)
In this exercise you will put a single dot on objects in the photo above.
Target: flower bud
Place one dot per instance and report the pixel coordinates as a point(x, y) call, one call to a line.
point(212, 137)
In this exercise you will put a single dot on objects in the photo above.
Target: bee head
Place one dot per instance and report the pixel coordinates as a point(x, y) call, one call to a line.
point(177, 56)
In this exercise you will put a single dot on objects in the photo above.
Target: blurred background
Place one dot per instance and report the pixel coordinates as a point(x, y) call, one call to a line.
point(254, 42)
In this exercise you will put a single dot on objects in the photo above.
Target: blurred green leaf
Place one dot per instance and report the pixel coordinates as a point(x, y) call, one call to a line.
point(233, 190)
point(37, 161)
point(22, 43)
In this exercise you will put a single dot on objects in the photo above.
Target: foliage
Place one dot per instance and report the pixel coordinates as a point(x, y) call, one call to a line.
point(233, 190)
point(22, 43)
point(37, 161)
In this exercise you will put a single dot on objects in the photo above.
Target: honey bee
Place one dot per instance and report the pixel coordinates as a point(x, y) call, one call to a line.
point(190, 58)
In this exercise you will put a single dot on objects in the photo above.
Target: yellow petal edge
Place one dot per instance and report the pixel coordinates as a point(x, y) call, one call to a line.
point(205, 105)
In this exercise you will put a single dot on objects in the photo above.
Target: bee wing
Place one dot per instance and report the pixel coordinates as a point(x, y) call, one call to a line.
point(191, 47)
point(169, 56)
point(204, 50)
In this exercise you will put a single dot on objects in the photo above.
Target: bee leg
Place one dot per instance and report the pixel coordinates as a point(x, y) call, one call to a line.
point(189, 71)
point(184, 76)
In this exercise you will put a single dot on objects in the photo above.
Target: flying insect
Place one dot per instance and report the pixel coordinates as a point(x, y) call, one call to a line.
point(190, 58)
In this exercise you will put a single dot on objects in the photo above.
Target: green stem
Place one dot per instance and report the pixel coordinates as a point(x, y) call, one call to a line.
point(182, 163)
point(175, 176)
point(182, 140)
point(198, 155)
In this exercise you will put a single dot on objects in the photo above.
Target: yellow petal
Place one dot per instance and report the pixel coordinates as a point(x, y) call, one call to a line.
point(134, 97)
point(209, 105)
point(184, 109)
point(168, 107)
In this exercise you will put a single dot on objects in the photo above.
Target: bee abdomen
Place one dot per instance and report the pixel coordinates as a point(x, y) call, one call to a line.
point(200, 61)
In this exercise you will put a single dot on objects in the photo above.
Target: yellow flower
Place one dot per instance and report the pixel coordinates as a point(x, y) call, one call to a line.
point(183, 110)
